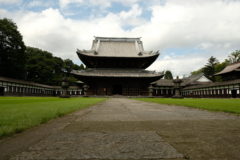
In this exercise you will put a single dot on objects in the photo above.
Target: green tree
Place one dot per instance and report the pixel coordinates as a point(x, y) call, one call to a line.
point(209, 69)
point(42, 67)
point(197, 71)
point(68, 65)
point(168, 75)
point(234, 57)
point(81, 67)
point(12, 50)
point(220, 66)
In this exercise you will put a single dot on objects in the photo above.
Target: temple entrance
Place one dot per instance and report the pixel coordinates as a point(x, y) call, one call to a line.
point(1, 91)
point(234, 93)
point(117, 89)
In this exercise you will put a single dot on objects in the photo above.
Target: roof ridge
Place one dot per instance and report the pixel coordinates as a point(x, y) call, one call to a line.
point(233, 63)
point(136, 38)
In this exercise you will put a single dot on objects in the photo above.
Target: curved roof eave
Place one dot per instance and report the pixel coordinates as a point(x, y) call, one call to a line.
point(117, 75)
point(95, 54)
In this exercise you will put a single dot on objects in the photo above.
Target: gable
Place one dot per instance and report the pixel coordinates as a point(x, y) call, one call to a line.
point(203, 79)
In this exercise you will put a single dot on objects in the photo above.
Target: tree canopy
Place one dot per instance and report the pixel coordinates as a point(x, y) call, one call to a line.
point(12, 50)
point(234, 57)
point(197, 71)
point(209, 68)
point(43, 67)
point(168, 75)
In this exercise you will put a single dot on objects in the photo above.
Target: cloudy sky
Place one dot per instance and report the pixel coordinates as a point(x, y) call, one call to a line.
point(187, 32)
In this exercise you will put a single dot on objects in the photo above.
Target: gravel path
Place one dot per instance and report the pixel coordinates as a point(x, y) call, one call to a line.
point(125, 129)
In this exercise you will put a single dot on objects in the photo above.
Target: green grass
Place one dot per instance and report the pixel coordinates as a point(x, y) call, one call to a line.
point(224, 105)
point(20, 113)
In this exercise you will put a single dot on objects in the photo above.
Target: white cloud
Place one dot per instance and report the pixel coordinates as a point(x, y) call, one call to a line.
point(49, 30)
point(9, 1)
point(65, 3)
point(179, 65)
point(126, 18)
point(39, 3)
point(3, 12)
point(131, 17)
point(190, 24)
point(134, 12)
point(210, 27)
point(100, 3)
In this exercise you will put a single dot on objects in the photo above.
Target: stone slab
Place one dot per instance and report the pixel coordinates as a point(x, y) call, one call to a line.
point(101, 145)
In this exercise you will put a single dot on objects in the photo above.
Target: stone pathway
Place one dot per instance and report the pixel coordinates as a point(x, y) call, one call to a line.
point(125, 129)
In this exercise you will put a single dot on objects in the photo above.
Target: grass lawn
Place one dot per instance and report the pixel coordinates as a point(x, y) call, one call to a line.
point(224, 105)
point(20, 113)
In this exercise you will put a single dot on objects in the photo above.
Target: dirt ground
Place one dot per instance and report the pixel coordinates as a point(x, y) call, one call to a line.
point(125, 129)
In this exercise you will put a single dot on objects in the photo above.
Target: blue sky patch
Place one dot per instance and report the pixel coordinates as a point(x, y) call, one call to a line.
point(117, 7)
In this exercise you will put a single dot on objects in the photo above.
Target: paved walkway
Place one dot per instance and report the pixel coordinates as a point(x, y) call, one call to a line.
point(124, 129)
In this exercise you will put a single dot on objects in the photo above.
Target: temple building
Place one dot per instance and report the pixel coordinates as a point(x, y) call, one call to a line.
point(16, 87)
point(165, 87)
point(228, 88)
point(199, 86)
point(231, 72)
point(116, 66)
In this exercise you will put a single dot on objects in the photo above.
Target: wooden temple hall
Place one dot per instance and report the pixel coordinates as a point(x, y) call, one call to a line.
point(199, 86)
point(228, 88)
point(116, 66)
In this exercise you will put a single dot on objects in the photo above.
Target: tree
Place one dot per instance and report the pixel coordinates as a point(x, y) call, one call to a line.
point(12, 50)
point(197, 71)
point(68, 65)
point(209, 68)
point(234, 57)
point(81, 67)
point(168, 75)
point(43, 67)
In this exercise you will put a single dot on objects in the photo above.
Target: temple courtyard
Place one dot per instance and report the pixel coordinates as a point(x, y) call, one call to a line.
point(127, 129)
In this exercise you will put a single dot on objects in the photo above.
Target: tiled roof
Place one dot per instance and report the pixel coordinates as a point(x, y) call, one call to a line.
point(192, 80)
point(237, 81)
point(230, 68)
point(117, 47)
point(116, 73)
point(164, 82)
point(6, 79)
